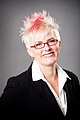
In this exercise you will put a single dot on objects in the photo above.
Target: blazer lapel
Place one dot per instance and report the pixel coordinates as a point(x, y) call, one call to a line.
point(42, 90)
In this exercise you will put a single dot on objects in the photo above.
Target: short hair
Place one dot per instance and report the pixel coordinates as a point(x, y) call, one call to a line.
point(36, 27)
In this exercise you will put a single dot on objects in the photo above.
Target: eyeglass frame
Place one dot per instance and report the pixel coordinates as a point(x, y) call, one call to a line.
point(34, 46)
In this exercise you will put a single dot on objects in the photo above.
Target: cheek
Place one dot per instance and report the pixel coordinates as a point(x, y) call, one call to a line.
point(57, 50)
point(37, 54)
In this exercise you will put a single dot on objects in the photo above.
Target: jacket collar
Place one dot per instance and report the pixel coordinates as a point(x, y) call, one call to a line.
point(37, 75)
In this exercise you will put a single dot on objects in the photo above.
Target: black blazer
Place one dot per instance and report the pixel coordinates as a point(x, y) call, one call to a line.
point(25, 98)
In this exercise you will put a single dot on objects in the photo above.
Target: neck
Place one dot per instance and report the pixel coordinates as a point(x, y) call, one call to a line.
point(51, 75)
point(50, 72)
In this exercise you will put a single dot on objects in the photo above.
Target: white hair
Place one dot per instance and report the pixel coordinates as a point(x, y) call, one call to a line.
point(38, 26)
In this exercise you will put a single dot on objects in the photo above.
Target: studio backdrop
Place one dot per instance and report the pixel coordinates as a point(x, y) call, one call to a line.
point(13, 56)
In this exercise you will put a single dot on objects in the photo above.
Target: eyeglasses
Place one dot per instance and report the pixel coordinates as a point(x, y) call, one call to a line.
point(40, 44)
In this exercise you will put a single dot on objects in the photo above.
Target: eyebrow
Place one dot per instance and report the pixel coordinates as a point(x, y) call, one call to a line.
point(47, 40)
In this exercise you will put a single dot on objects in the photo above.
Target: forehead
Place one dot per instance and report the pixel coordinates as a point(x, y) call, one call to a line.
point(44, 36)
point(49, 35)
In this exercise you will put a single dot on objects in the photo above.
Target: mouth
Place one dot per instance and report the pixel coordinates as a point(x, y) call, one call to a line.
point(50, 54)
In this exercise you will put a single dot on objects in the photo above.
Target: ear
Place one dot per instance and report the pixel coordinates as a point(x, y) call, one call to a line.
point(30, 52)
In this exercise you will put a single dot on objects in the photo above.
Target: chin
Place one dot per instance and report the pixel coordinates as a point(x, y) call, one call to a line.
point(49, 63)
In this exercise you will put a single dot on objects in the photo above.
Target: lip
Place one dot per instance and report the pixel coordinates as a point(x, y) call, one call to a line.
point(50, 54)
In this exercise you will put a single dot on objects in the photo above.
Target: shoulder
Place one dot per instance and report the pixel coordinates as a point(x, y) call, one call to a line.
point(73, 77)
point(71, 74)
point(25, 74)
point(20, 79)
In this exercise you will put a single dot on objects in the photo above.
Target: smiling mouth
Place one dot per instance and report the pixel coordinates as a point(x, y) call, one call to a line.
point(49, 54)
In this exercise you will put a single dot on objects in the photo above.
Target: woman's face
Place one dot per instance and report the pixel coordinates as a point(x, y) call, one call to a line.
point(48, 55)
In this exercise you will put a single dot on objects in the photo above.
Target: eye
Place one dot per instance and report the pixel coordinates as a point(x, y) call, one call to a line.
point(52, 40)
point(38, 44)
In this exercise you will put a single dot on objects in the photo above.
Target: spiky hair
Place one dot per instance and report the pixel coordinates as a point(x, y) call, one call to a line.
point(38, 21)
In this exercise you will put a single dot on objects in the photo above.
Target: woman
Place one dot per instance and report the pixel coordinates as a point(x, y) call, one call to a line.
point(45, 90)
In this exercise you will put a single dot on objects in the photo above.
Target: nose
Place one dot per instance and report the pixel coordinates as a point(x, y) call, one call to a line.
point(46, 47)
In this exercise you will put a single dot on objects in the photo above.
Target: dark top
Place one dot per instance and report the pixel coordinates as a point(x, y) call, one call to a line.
point(28, 99)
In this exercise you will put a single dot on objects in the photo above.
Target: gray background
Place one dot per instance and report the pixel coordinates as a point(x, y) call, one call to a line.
point(13, 56)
